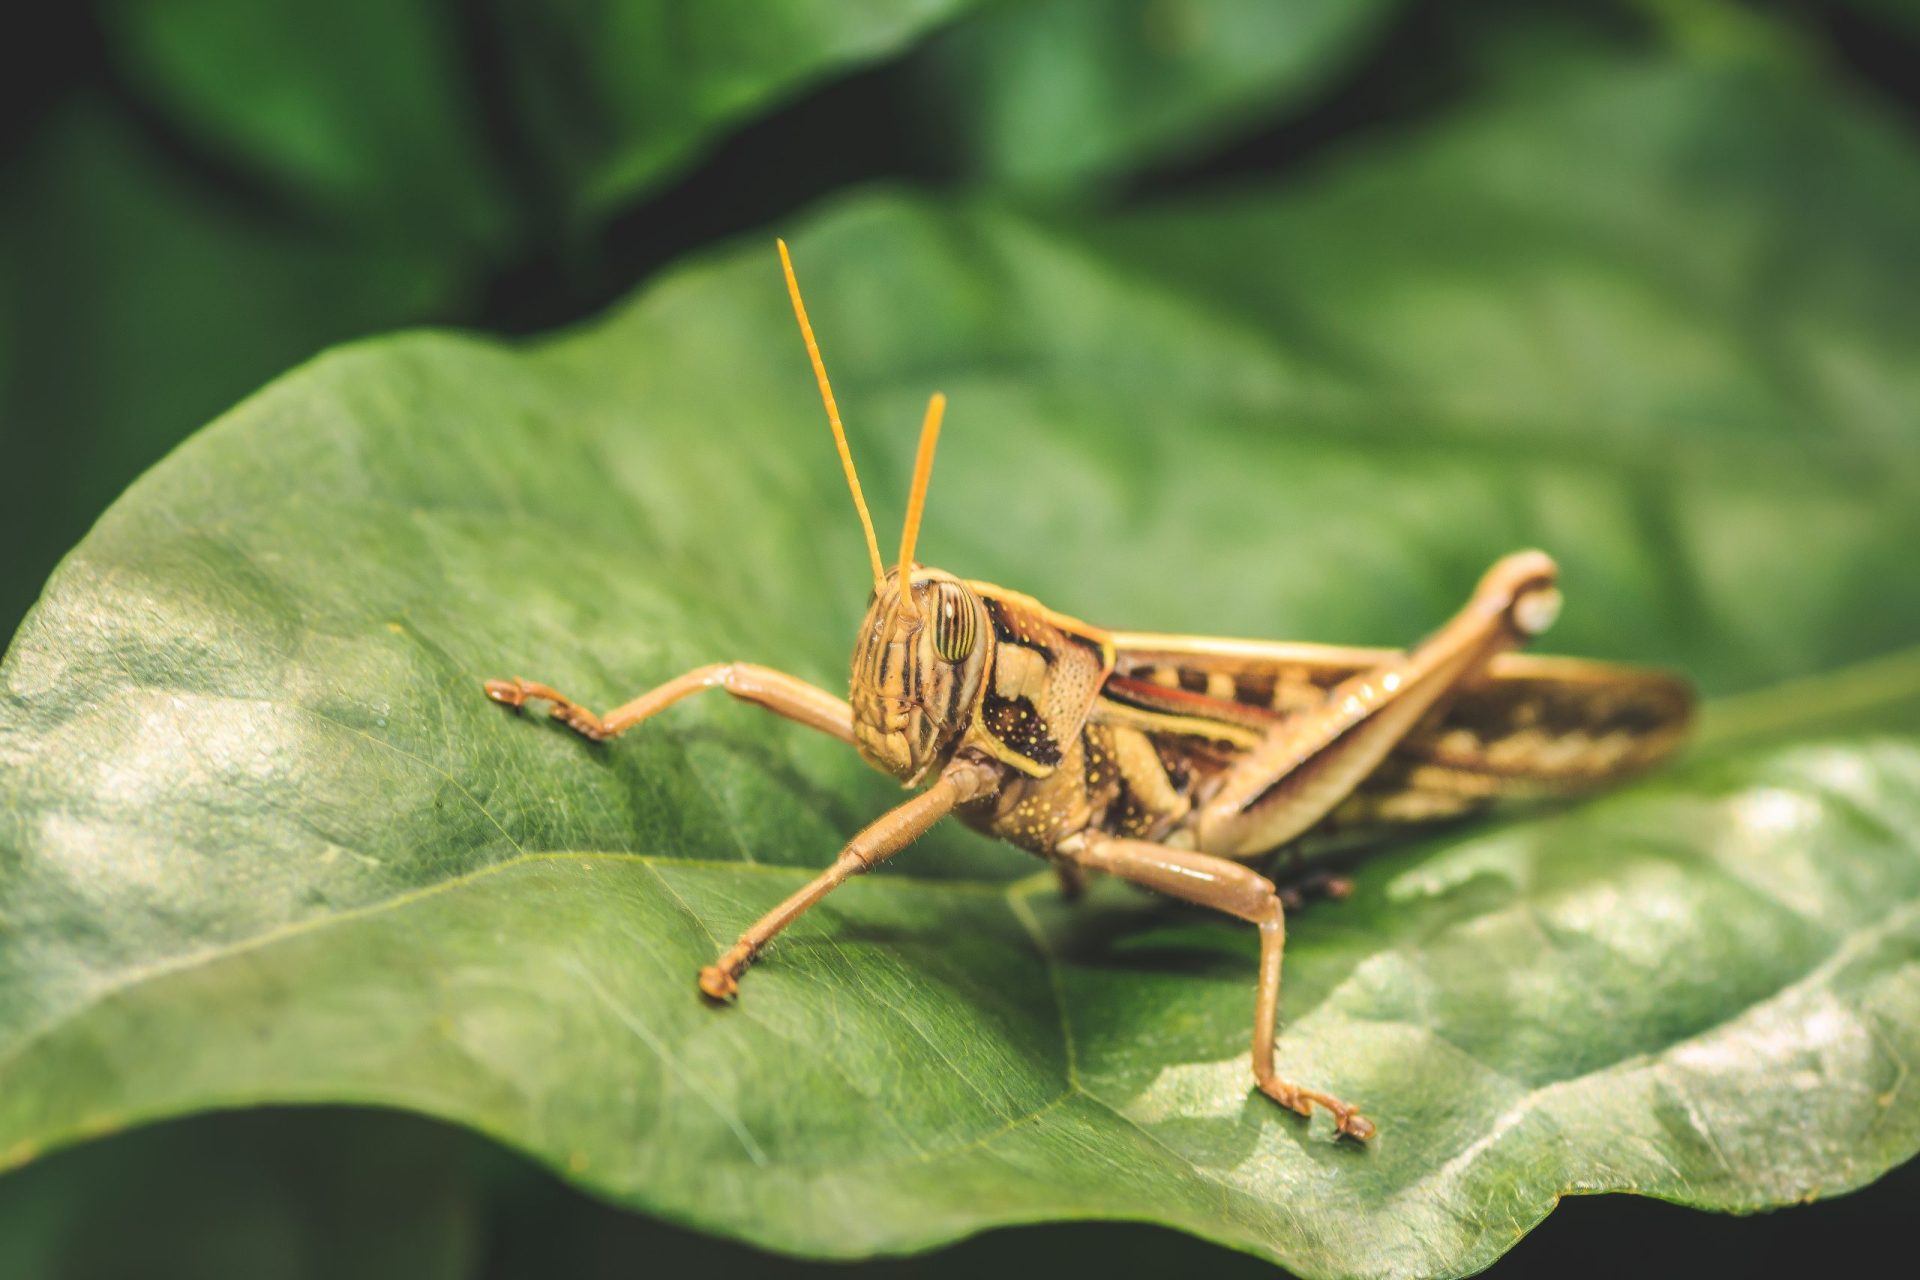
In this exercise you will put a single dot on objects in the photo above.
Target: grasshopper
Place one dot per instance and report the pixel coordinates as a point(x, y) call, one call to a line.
point(1173, 761)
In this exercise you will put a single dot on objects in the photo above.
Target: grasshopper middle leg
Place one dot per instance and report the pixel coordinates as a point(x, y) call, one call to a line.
point(1239, 891)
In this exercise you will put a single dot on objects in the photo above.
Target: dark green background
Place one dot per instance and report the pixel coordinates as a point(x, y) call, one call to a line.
point(168, 242)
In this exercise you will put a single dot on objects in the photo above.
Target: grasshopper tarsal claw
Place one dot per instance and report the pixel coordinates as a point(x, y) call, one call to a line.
point(512, 693)
point(717, 984)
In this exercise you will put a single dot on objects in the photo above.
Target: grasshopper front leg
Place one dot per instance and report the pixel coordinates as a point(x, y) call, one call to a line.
point(777, 691)
point(1239, 891)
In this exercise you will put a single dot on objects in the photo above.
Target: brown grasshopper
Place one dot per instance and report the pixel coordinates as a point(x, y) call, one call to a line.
point(1172, 761)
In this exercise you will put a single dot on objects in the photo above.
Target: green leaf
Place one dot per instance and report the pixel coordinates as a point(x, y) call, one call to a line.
point(367, 109)
point(618, 97)
point(135, 303)
point(1061, 93)
point(380, 111)
point(261, 838)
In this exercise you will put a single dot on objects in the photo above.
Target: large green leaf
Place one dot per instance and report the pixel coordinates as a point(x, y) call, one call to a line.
point(261, 838)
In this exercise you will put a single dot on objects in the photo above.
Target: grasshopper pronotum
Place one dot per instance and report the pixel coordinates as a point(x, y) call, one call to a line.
point(1172, 761)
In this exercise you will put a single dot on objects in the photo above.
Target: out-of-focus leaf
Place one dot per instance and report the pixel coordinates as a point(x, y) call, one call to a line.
point(617, 96)
point(134, 305)
point(264, 1195)
point(1060, 93)
point(262, 839)
point(364, 108)
point(382, 110)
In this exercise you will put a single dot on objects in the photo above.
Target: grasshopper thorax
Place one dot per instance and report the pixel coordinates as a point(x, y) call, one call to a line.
point(917, 669)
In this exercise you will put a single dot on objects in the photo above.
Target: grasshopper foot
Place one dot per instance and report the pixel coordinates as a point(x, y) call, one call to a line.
point(512, 693)
point(516, 693)
point(718, 984)
point(1347, 1121)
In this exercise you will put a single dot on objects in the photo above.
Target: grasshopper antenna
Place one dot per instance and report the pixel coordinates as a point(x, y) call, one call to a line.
point(917, 499)
point(833, 417)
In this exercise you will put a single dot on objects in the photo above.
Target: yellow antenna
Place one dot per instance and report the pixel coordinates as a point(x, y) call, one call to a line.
point(833, 417)
point(917, 499)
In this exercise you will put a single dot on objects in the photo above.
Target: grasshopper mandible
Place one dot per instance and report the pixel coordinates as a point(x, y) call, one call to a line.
point(1173, 761)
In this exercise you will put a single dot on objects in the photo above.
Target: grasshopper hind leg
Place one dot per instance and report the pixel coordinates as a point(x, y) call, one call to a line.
point(1314, 759)
point(1237, 890)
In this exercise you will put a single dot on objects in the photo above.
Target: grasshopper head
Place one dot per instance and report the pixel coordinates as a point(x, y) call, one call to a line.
point(923, 645)
point(916, 672)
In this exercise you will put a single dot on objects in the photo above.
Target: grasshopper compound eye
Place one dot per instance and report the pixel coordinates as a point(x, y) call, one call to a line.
point(954, 625)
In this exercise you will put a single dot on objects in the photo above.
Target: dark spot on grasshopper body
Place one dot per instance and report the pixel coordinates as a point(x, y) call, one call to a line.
point(1006, 632)
point(1015, 722)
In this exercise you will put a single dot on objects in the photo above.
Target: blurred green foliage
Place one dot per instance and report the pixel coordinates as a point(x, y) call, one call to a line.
point(1072, 96)
point(196, 198)
point(231, 188)
point(326, 1193)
